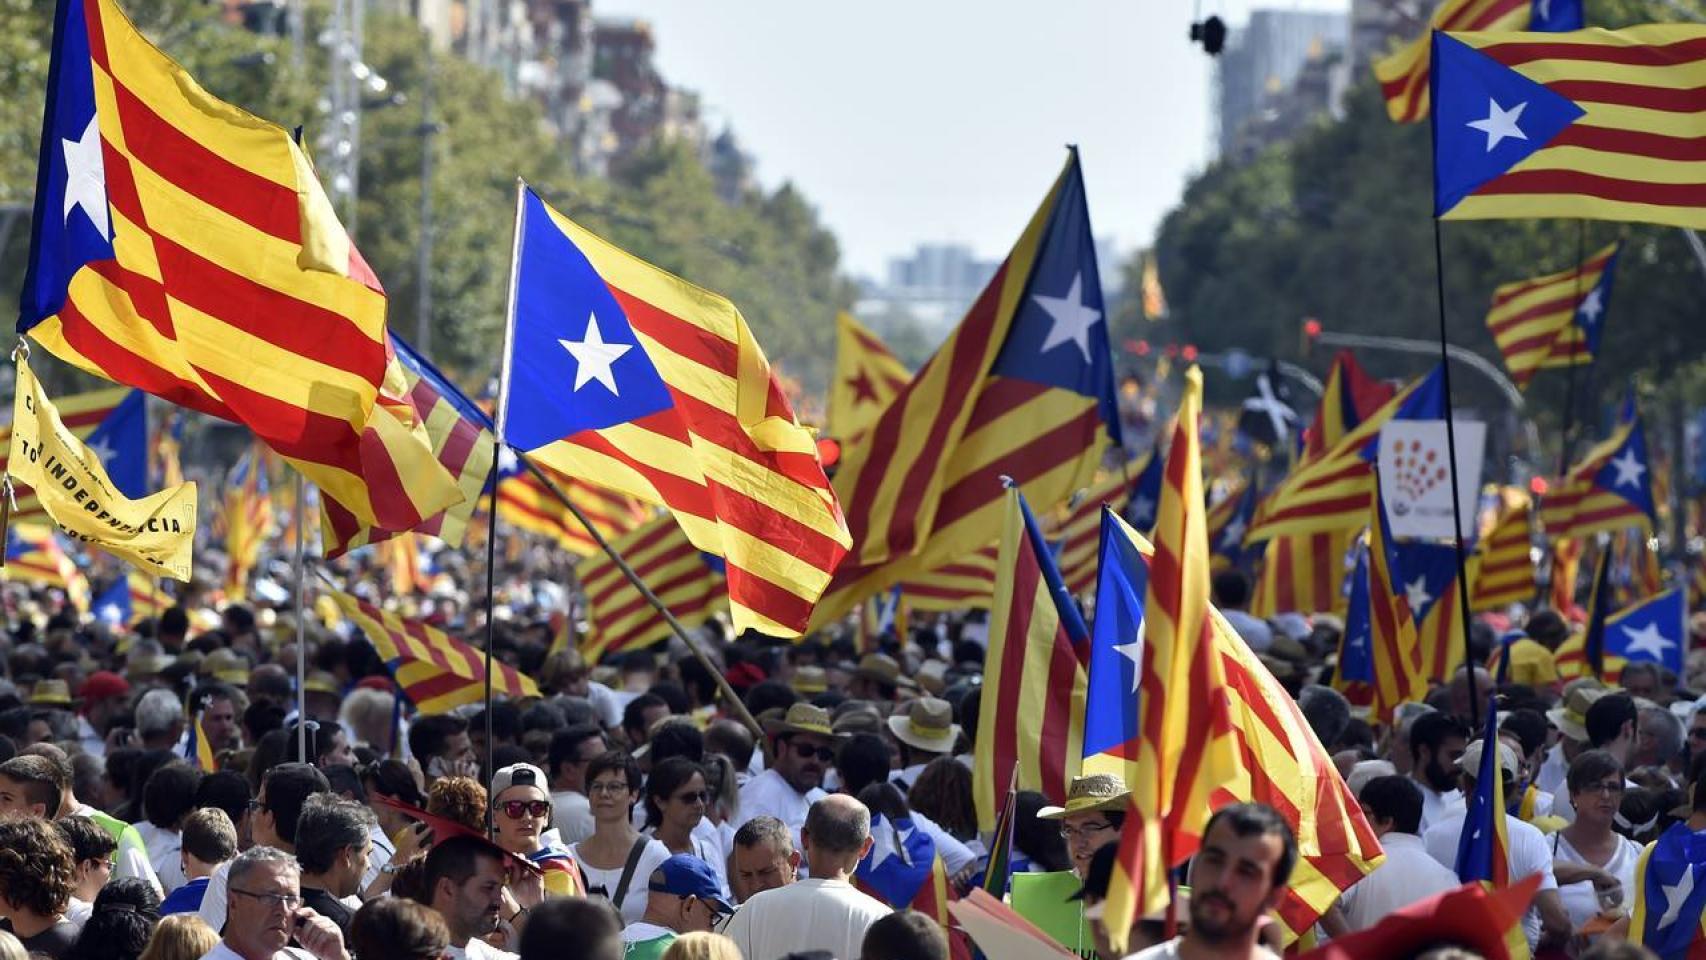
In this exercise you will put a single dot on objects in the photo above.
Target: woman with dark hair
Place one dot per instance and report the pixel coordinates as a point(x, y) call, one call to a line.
point(943, 793)
point(676, 800)
point(1595, 865)
point(617, 859)
point(37, 877)
point(123, 920)
point(396, 838)
point(1037, 844)
point(398, 929)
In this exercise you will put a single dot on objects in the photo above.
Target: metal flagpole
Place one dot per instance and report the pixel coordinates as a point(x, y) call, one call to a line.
point(1456, 494)
point(301, 624)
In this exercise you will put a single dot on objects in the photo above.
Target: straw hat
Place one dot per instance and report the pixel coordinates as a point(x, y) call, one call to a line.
point(1571, 717)
point(50, 693)
point(809, 681)
point(803, 718)
point(226, 666)
point(147, 665)
point(883, 669)
point(322, 681)
point(1096, 791)
point(928, 725)
point(933, 676)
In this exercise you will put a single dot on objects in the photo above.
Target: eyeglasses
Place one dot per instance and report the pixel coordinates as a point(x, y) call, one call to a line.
point(1608, 788)
point(806, 751)
point(693, 797)
point(719, 919)
point(515, 809)
point(256, 805)
point(1069, 833)
point(611, 788)
point(288, 901)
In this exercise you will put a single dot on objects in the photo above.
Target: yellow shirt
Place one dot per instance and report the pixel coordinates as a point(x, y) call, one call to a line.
point(1532, 664)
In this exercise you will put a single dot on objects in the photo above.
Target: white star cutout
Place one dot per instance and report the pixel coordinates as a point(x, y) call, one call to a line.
point(1359, 639)
point(1675, 895)
point(102, 450)
point(1072, 319)
point(1648, 639)
point(112, 613)
point(1500, 123)
point(1545, 10)
point(1629, 469)
point(1233, 534)
point(1142, 510)
point(86, 178)
point(1133, 651)
point(593, 357)
point(1417, 594)
point(1591, 307)
point(507, 460)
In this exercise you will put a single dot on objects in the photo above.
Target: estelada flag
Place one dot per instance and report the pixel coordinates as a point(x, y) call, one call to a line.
point(867, 376)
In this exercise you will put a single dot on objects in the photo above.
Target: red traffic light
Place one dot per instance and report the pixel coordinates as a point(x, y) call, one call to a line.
point(1189, 352)
point(1537, 485)
point(1311, 328)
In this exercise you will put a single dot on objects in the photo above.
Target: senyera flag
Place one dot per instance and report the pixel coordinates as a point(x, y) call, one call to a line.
point(620, 373)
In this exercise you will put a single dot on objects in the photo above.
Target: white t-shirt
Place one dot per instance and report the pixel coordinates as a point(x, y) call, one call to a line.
point(164, 854)
point(380, 849)
point(1438, 806)
point(213, 899)
point(809, 914)
point(572, 816)
point(708, 843)
point(222, 952)
point(1553, 770)
point(633, 904)
point(1529, 854)
point(1170, 951)
point(768, 795)
point(1406, 875)
point(956, 856)
point(1581, 901)
point(479, 950)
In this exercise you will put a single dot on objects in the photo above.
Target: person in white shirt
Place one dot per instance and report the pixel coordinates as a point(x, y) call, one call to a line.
point(825, 911)
point(464, 881)
point(763, 858)
point(926, 730)
point(167, 797)
point(1393, 805)
point(1527, 851)
point(1570, 719)
point(804, 750)
point(266, 911)
point(571, 750)
point(1611, 724)
point(1236, 878)
point(1437, 741)
point(1594, 865)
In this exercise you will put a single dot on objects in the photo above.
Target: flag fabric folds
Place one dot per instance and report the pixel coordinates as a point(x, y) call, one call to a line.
point(1403, 74)
point(1502, 568)
point(1600, 603)
point(690, 582)
point(961, 584)
point(247, 516)
point(1182, 750)
point(1609, 489)
point(1594, 124)
point(198, 750)
point(1669, 915)
point(82, 414)
point(1483, 848)
point(1227, 521)
point(185, 247)
point(34, 553)
point(434, 670)
point(1022, 388)
point(1553, 320)
point(1354, 675)
point(1652, 631)
point(867, 377)
point(1397, 655)
point(670, 400)
point(1033, 708)
point(1145, 493)
point(525, 502)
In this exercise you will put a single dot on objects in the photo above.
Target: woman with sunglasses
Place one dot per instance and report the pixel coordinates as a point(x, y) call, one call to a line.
point(677, 799)
point(521, 813)
point(617, 859)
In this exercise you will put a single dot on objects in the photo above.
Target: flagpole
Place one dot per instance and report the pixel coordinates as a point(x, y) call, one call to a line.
point(301, 626)
point(1456, 494)
point(735, 704)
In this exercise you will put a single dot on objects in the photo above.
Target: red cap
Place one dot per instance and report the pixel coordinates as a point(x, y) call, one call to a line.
point(376, 682)
point(1468, 917)
point(103, 685)
point(743, 675)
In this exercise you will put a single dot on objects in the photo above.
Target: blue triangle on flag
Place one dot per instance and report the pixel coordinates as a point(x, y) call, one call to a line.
point(1487, 118)
point(1555, 16)
point(121, 441)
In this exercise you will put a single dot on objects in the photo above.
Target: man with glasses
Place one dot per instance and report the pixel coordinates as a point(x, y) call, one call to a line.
point(804, 751)
point(272, 823)
point(264, 903)
point(571, 751)
point(686, 896)
point(1091, 818)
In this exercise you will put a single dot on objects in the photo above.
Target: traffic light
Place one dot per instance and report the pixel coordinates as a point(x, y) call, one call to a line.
point(1311, 333)
point(1189, 353)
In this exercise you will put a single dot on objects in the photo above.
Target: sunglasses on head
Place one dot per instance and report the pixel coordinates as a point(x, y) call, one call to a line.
point(806, 751)
point(515, 809)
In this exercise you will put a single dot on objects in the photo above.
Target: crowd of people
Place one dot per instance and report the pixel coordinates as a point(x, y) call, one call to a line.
point(628, 812)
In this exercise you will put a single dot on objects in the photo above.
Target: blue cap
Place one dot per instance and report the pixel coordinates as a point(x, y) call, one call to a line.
point(684, 875)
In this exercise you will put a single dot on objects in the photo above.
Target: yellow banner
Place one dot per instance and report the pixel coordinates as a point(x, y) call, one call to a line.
point(155, 533)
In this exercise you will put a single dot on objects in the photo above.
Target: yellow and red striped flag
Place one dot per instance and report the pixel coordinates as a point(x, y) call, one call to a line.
point(1608, 489)
point(1502, 569)
point(34, 554)
point(1552, 320)
point(669, 400)
point(1593, 124)
point(1183, 751)
point(867, 377)
point(527, 504)
point(199, 750)
point(1398, 675)
point(434, 670)
point(1032, 712)
point(1023, 388)
point(690, 582)
point(247, 516)
point(185, 247)
point(1403, 74)
point(966, 583)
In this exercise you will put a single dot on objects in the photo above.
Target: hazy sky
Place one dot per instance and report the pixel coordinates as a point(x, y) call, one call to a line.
point(911, 121)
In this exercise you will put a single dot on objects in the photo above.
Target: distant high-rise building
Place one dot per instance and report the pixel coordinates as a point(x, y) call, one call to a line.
point(1261, 64)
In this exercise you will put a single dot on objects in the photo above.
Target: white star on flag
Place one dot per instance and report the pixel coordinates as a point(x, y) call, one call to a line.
point(1142, 510)
point(1629, 469)
point(1233, 534)
point(1072, 318)
point(1647, 639)
point(1675, 895)
point(103, 451)
point(507, 460)
point(593, 357)
point(1500, 123)
point(86, 178)
point(1133, 651)
point(1417, 595)
point(112, 613)
point(1591, 307)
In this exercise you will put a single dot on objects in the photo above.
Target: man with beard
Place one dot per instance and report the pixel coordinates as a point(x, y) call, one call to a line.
point(804, 748)
point(465, 883)
point(1237, 876)
point(1437, 741)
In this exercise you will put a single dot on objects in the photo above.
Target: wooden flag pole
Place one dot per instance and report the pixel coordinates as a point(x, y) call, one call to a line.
point(1456, 494)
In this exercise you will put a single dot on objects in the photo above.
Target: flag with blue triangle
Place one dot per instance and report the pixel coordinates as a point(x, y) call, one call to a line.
point(1654, 630)
point(1670, 894)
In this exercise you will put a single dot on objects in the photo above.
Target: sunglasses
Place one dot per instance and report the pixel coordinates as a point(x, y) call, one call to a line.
point(806, 751)
point(516, 809)
point(701, 796)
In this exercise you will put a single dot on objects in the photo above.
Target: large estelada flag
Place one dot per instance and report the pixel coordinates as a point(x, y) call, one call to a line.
point(434, 670)
point(1594, 124)
point(867, 377)
point(1669, 914)
point(185, 247)
point(691, 583)
point(1403, 75)
point(622, 374)
point(1608, 489)
point(1023, 388)
point(1502, 569)
point(1654, 630)
point(1553, 320)
point(35, 554)
point(525, 502)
